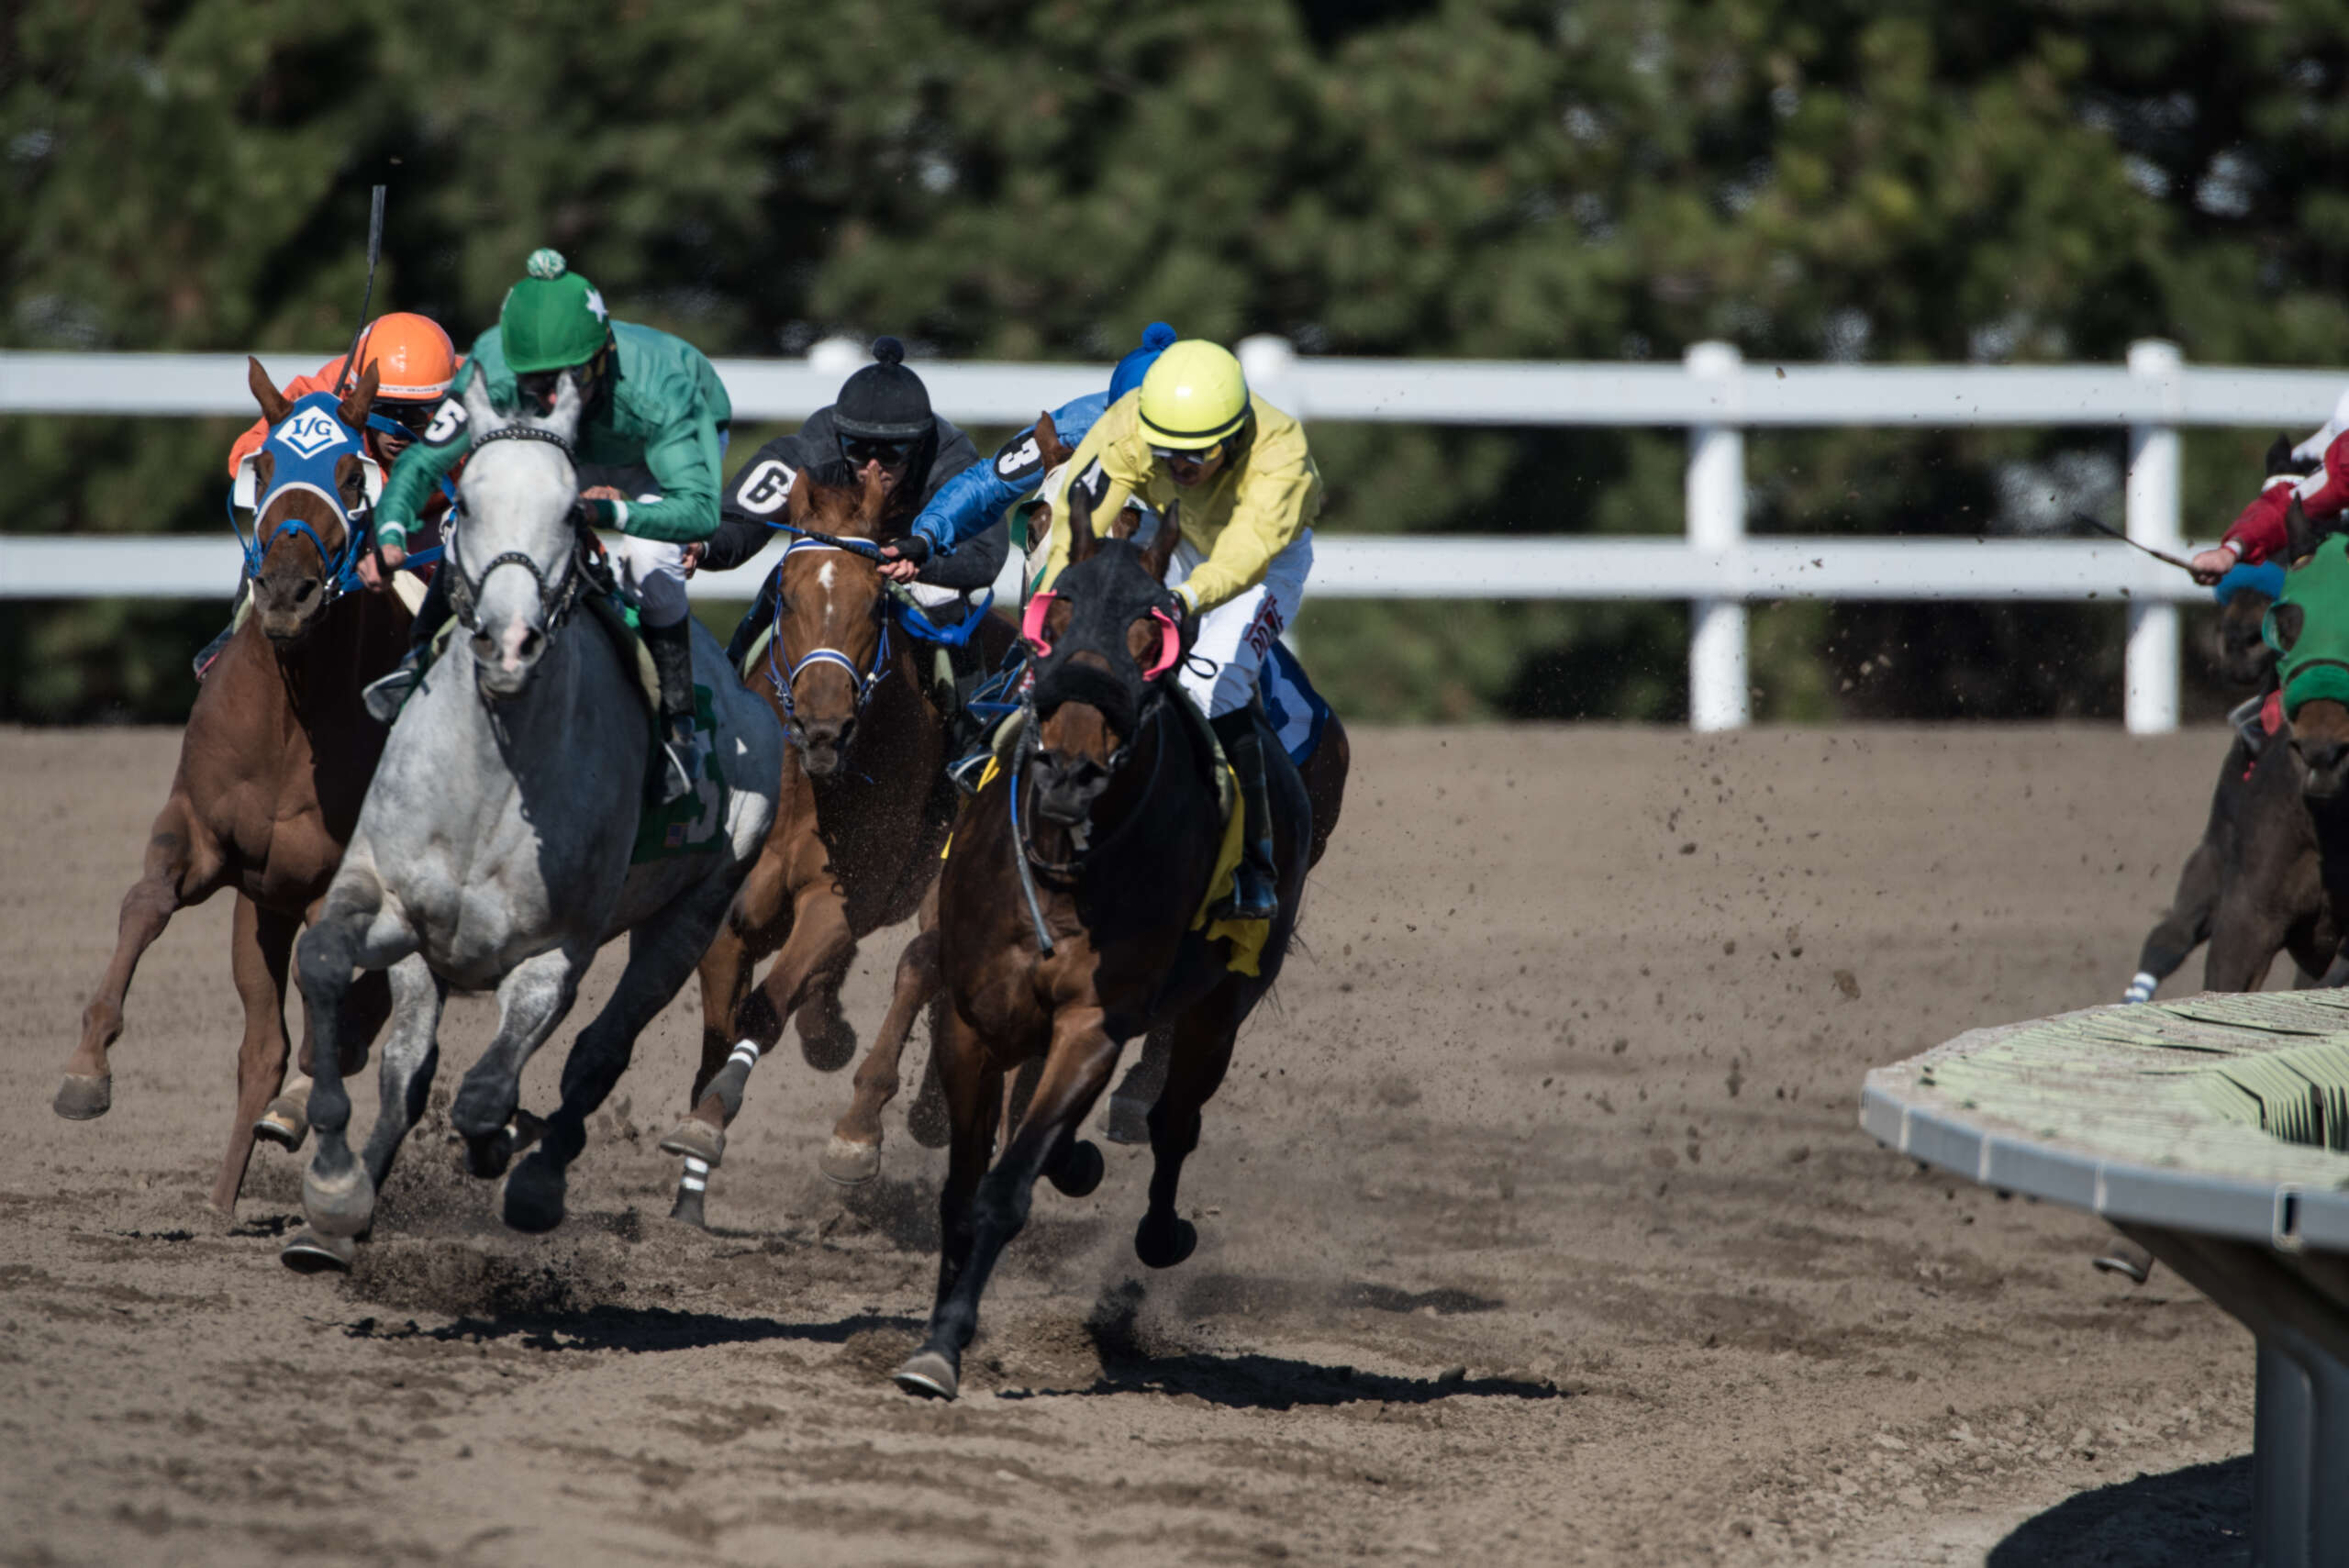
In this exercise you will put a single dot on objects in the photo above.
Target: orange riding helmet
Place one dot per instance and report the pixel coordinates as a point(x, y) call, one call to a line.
point(413, 357)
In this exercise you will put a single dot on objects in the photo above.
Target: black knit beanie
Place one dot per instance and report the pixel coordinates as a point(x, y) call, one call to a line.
point(885, 401)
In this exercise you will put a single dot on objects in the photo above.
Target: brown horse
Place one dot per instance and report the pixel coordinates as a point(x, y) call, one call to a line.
point(863, 812)
point(1068, 925)
point(276, 760)
point(853, 1154)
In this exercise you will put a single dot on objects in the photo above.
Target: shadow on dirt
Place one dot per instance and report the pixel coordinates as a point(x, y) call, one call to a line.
point(633, 1328)
point(2195, 1517)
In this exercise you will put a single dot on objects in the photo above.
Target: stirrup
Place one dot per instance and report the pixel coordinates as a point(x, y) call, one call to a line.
point(386, 694)
point(680, 765)
point(1237, 908)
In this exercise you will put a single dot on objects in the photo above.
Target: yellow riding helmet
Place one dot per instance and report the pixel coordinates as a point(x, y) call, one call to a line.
point(1193, 396)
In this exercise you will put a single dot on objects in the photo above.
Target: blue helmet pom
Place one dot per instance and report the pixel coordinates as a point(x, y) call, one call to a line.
point(2266, 578)
point(1156, 339)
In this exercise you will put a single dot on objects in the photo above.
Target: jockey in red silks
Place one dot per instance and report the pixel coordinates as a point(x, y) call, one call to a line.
point(414, 364)
point(2258, 533)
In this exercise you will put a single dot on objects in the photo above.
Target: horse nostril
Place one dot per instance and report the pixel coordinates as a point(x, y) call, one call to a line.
point(305, 591)
point(532, 641)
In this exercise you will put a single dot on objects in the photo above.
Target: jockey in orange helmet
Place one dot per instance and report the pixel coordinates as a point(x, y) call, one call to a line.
point(414, 364)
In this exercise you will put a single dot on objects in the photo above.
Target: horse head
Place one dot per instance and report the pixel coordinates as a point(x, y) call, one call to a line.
point(1105, 635)
point(2245, 594)
point(2308, 627)
point(517, 571)
point(829, 610)
point(310, 476)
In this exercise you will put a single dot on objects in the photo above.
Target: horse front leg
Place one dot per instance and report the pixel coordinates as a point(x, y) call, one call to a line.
point(2185, 925)
point(182, 867)
point(353, 931)
point(532, 999)
point(1075, 1072)
point(853, 1156)
point(261, 948)
point(749, 932)
point(1199, 1054)
point(409, 1057)
point(973, 1089)
point(661, 953)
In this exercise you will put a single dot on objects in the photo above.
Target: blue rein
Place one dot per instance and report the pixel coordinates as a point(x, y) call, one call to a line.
point(902, 613)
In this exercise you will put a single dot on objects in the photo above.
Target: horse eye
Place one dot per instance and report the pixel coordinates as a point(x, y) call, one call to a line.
point(2289, 620)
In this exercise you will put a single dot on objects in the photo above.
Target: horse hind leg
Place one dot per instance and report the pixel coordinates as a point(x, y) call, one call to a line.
point(1125, 1118)
point(1199, 1051)
point(170, 880)
point(853, 1156)
point(261, 950)
point(661, 952)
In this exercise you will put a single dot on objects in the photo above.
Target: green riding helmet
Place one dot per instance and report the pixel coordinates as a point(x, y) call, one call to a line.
point(2315, 666)
point(554, 318)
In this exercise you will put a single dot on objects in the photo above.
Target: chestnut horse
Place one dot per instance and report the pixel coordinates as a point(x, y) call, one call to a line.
point(1069, 917)
point(864, 810)
point(275, 763)
point(853, 1156)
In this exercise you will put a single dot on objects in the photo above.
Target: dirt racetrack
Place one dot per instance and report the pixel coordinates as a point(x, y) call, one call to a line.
point(1536, 1226)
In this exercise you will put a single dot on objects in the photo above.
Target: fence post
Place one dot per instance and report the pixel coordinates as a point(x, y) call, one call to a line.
point(1715, 497)
point(2149, 703)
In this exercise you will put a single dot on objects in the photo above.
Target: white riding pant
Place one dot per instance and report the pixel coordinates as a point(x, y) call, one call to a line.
point(654, 571)
point(1238, 634)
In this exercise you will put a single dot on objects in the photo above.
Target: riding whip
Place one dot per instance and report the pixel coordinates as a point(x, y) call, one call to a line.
point(2108, 529)
point(350, 357)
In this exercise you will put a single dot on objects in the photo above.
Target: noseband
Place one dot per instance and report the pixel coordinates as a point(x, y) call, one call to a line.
point(556, 599)
point(864, 680)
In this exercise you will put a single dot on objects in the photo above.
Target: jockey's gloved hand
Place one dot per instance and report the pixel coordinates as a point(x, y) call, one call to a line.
point(902, 562)
point(599, 512)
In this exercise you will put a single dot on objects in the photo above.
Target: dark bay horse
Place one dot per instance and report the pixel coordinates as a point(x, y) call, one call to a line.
point(273, 765)
point(863, 811)
point(1068, 917)
point(853, 1156)
point(2251, 888)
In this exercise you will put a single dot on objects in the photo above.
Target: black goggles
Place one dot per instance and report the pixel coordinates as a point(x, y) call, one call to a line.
point(413, 418)
point(860, 450)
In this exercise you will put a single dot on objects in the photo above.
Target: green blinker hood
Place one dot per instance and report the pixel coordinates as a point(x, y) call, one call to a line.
point(2316, 667)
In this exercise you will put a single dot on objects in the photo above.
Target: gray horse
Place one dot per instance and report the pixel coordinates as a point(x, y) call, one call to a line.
point(495, 847)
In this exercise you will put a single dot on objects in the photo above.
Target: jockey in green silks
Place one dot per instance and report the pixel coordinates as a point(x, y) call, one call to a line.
point(655, 415)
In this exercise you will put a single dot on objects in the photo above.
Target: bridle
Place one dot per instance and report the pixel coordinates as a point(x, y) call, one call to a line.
point(557, 599)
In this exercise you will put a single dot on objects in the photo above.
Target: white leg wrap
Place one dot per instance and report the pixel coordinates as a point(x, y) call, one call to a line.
point(746, 1052)
point(2142, 988)
point(696, 1176)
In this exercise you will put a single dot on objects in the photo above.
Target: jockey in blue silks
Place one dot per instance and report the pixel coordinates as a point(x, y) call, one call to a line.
point(970, 502)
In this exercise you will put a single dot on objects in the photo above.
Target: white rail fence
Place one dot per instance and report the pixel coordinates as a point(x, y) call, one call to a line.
point(1717, 566)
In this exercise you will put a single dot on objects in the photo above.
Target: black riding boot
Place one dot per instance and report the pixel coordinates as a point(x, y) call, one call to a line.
point(761, 611)
point(387, 694)
point(1255, 887)
point(671, 648)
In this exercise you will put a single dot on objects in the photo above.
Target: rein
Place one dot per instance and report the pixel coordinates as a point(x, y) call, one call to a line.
point(1068, 870)
point(556, 599)
point(896, 608)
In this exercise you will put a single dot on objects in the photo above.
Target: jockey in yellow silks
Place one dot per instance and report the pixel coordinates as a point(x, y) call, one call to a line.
point(1193, 432)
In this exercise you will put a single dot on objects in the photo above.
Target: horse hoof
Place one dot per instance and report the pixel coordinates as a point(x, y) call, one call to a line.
point(338, 1205)
point(285, 1123)
point(311, 1253)
point(1126, 1121)
point(487, 1158)
point(850, 1164)
point(928, 1374)
point(1164, 1246)
point(831, 1049)
point(1080, 1169)
point(83, 1099)
point(534, 1196)
point(696, 1139)
point(688, 1209)
point(481, 1111)
point(2128, 1259)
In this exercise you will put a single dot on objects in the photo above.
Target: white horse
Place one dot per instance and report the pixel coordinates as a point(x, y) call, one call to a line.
point(494, 848)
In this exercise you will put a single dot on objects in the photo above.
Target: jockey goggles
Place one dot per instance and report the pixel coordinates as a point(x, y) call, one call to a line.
point(861, 450)
point(1199, 455)
point(1170, 637)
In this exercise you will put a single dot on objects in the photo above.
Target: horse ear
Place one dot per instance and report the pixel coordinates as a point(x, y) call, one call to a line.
point(481, 414)
point(1082, 540)
point(273, 406)
point(360, 398)
point(876, 497)
point(2279, 456)
point(2301, 536)
point(1049, 445)
point(1159, 551)
point(564, 420)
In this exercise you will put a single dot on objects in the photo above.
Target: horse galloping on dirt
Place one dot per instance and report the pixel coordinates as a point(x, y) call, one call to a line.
point(853, 1156)
point(864, 802)
point(272, 767)
point(2251, 888)
point(1073, 918)
point(499, 846)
